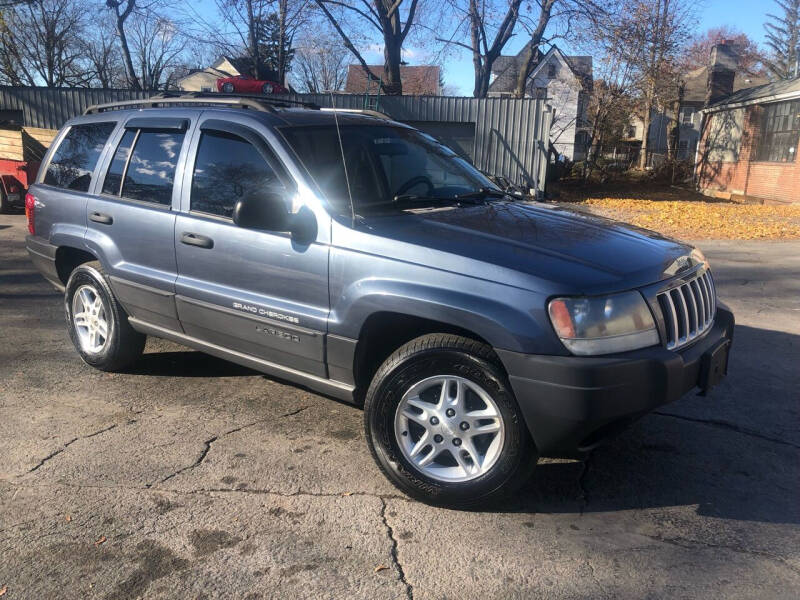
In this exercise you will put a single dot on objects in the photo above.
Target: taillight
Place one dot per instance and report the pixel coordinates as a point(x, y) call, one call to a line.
point(30, 203)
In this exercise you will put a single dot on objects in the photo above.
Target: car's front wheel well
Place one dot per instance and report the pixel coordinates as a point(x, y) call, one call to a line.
point(384, 332)
point(68, 259)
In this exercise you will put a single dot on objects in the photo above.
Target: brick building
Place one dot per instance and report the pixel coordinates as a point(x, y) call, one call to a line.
point(749, 142)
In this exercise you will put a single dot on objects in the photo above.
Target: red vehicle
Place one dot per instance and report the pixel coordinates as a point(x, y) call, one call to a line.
point(245, 84)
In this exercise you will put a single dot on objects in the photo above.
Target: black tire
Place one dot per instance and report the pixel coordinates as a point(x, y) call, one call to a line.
point(5, 205)
point(267, 89)
point(227, 87)
point(444, 354)
point(123, 345)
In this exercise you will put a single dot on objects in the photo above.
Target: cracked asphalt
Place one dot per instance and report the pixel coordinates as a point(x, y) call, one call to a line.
point(190, 477)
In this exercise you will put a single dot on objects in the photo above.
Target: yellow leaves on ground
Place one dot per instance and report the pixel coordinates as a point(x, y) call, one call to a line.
point(695, 218)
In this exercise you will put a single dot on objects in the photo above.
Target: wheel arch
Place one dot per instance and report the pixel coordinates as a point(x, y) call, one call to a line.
point(68, 258)
point(383, 332)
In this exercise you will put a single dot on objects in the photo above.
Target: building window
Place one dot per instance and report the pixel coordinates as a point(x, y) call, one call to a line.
point(551, 71)
point(683, 148)
point(687, 116)
point(540, 92)
point(780, 130)
point(630, 132)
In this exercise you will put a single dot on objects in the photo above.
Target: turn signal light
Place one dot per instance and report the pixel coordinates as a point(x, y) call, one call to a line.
point(30, 203)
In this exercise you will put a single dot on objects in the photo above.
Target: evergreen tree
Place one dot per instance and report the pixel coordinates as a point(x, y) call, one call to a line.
point(268, 34)
point(783, 36)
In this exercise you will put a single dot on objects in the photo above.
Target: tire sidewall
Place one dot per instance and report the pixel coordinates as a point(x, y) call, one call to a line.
point(88, 275)
point(386, 394)
point(228, 88)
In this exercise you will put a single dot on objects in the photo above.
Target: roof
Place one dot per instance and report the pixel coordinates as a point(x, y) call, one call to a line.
point(506, 68)
point(417, 80)
point(777, 90)
point(697, 83)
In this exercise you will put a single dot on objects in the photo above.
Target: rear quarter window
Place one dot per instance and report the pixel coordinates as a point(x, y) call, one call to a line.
point(143, 167)
point(75, 158)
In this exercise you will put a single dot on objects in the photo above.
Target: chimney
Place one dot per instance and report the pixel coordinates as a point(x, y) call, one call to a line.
point(721, 71)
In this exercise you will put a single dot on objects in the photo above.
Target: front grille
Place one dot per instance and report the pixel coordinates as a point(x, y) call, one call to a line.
point(688, 310)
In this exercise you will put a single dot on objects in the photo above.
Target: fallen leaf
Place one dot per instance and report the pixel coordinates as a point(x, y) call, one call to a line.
point(380, 568)
point(68, 518)
point(347, 493)
point(102, 540)
point(3, 590)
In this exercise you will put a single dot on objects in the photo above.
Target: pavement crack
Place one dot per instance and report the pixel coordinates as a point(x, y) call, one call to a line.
point(68, 444)
point(207, 447)
point(729, 427)
point(395, 560)
point(198, 461)
point(293, 412)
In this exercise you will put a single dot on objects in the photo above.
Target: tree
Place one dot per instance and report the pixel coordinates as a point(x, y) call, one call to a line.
point(275, 46)
point(320, 64)
point(652, 35)
point(156, 47)
point(261, 30)
point(783, 35)
point(696, 55)
point(392, 20)
point(122, 10)
point(102, 56)
point(40, 43)
point(490, 24)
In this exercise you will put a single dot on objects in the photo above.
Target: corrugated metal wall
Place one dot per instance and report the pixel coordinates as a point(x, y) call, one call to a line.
point(510, 133)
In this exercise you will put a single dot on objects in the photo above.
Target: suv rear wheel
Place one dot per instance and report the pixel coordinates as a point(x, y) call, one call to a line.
point(98, 326)
point(442, 423)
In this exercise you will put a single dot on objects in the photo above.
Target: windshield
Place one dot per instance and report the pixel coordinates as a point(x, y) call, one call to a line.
point(387, 167)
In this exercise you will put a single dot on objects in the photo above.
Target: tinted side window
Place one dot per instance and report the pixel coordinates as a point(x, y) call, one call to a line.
point(227, 168)
point(113, 181)
point(74, 160)
point(151, 168)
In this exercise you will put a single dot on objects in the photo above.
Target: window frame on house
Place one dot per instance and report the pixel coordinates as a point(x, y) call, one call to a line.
point(779, 133)
point(687, 111)
point(552, 72)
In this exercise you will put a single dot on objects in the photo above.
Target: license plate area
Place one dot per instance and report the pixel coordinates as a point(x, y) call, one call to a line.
point(713, 366)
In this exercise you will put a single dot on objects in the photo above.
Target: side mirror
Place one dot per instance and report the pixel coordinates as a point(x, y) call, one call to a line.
point(262, 209)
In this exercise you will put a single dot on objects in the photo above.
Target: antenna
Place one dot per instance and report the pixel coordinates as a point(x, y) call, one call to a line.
point(344, 162)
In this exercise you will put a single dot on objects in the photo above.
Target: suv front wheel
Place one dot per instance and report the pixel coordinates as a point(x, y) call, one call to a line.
point(98, 326)
point(443, 424)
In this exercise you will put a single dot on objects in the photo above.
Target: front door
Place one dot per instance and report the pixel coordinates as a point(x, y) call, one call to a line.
point(259, 293)
point(131, 221)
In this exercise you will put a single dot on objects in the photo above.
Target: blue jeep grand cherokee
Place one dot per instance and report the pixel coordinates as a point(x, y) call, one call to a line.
point(360, 258)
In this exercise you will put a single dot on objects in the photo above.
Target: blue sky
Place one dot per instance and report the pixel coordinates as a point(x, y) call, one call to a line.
point(745, 15)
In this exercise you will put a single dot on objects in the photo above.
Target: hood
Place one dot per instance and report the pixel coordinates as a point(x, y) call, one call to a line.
point(531, 246)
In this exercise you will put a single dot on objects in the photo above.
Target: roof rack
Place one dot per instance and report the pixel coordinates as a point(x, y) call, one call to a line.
point(358, 111)
point(250, 101)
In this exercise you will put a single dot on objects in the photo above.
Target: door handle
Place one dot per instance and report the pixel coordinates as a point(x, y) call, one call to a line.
point(101, 218)
point(194, 239)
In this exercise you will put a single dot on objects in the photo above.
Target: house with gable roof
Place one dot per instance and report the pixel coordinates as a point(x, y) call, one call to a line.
point(566, 83)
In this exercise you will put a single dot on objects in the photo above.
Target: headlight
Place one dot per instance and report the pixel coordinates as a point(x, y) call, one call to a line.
point(603, 325)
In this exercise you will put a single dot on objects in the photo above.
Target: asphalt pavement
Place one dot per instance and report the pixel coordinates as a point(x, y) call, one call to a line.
point(191, 477)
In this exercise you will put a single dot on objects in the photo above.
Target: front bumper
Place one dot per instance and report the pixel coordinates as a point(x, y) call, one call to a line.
point(572, 403)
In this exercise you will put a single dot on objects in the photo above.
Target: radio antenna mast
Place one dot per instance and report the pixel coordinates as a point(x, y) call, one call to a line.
point(344, 162)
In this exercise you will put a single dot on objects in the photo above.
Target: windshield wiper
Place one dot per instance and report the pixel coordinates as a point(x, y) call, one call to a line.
point(410, 200)
point(480, 194)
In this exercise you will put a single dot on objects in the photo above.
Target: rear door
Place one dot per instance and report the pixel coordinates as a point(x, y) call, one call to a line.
point(260, 293)
point(131, 216)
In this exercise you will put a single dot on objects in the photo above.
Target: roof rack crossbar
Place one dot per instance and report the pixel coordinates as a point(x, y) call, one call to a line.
point(249, 101)
point(360, 111)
